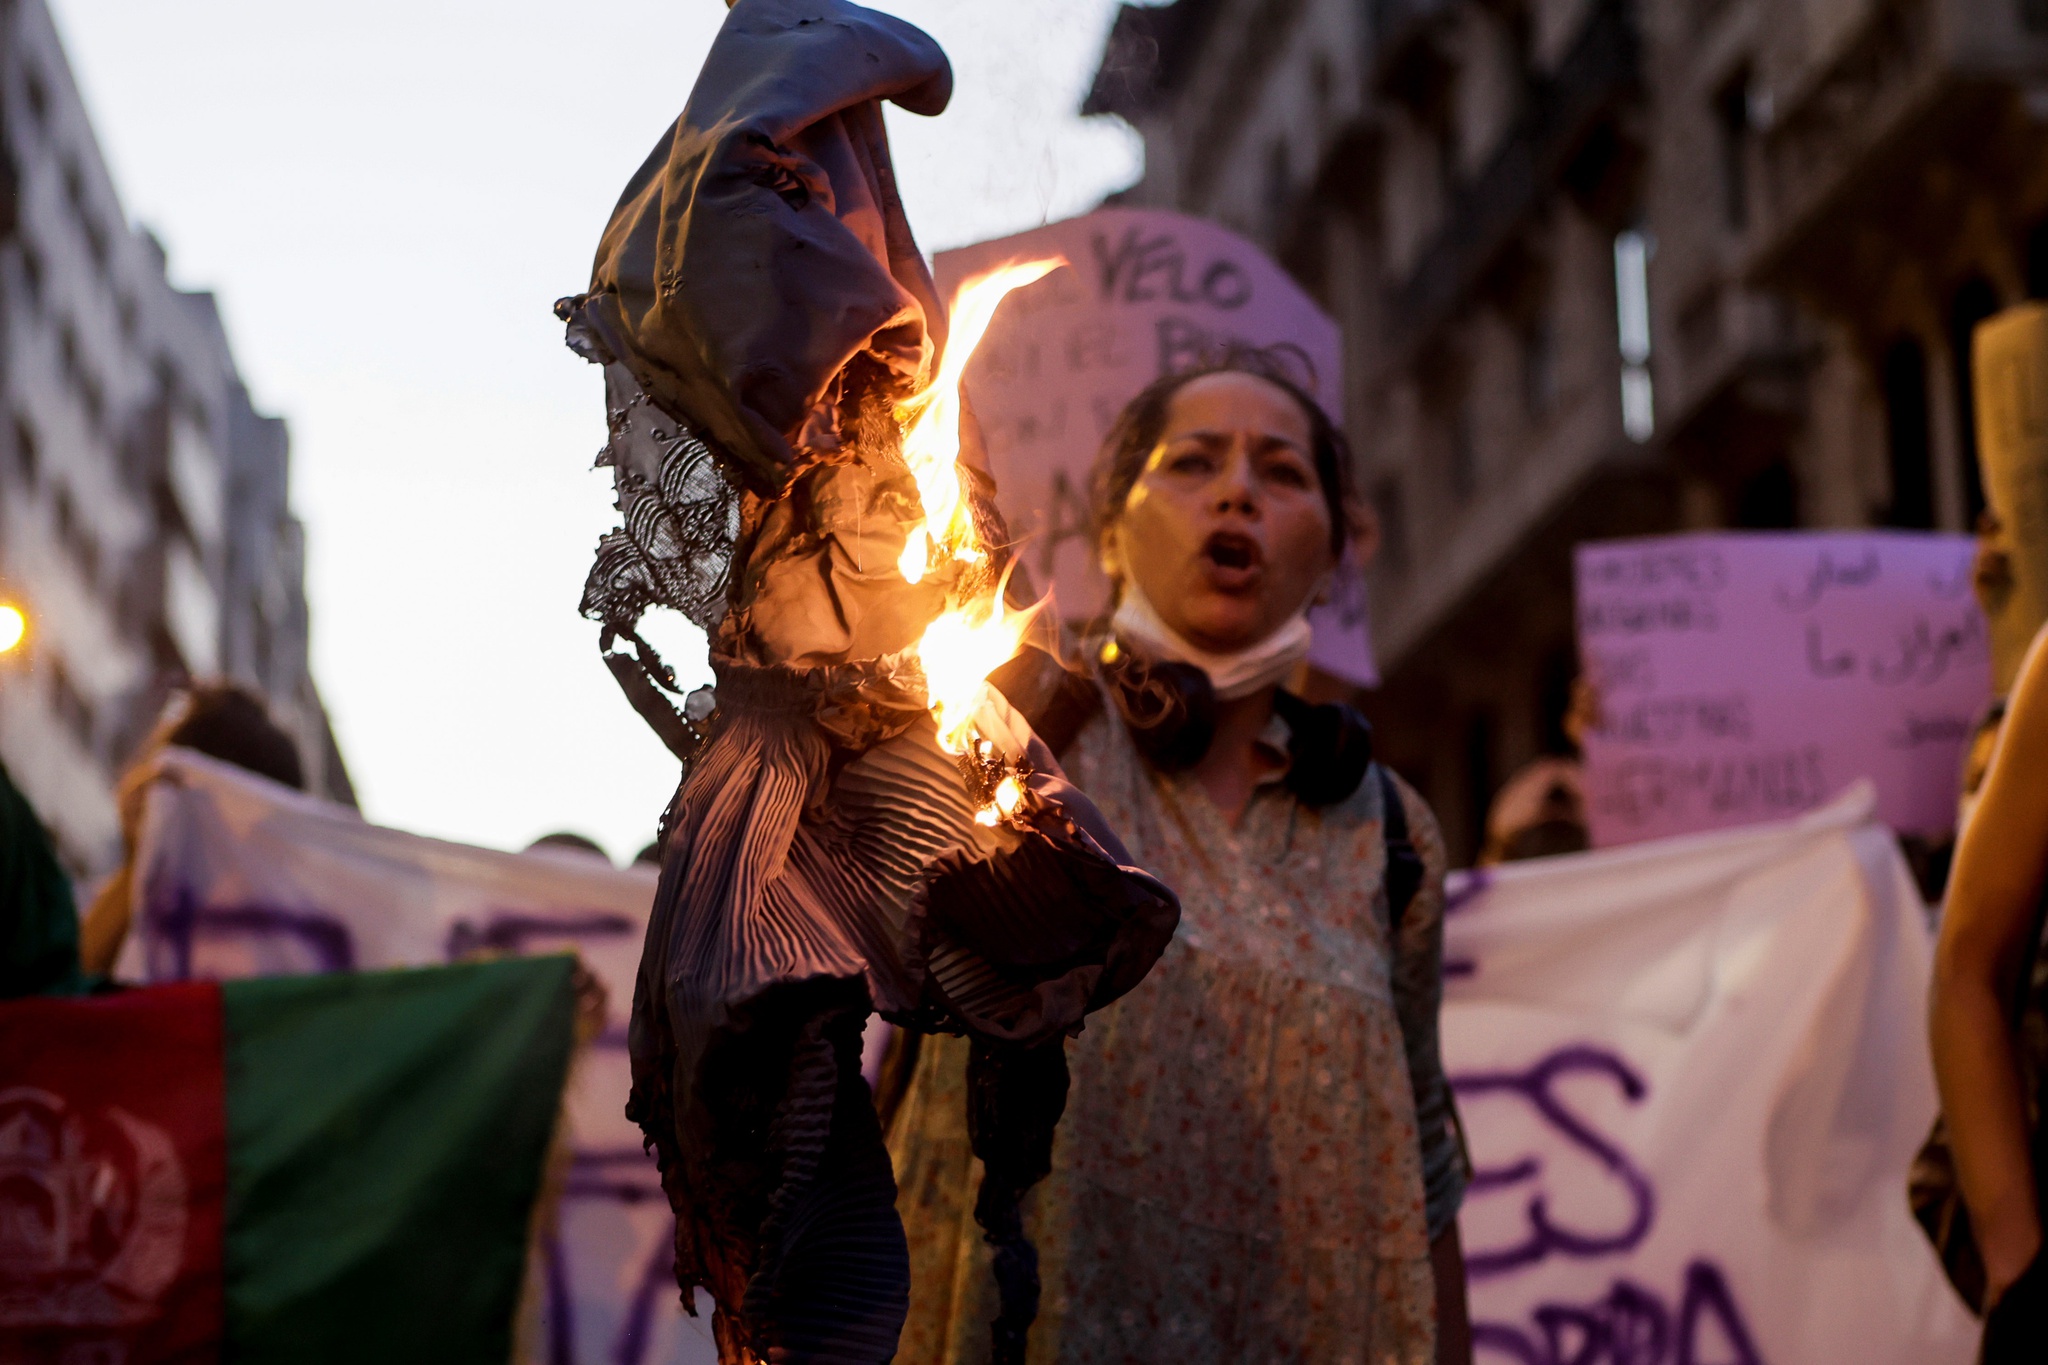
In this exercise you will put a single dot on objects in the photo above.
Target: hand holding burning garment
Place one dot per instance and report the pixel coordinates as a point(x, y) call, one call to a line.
point(864, 822)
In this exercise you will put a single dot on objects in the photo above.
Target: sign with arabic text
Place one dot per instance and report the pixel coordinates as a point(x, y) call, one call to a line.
point(1748, 676)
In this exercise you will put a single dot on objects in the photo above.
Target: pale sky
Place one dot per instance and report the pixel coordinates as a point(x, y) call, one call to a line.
point(388, 197)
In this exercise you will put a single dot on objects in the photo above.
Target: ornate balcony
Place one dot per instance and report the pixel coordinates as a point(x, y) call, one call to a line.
point(1920, 83)
point(1567, 134)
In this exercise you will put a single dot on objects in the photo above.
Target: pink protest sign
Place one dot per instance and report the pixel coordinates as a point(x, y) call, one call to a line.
point(1749, 676)
point(1146, 292)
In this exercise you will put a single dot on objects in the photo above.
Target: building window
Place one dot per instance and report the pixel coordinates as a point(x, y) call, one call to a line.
point(1464, 437)
point(1392, 507)
point(196, 412)
point(1732, 122)
point(31, 274)
point(74, 712)
point(27, 455)
point(1768, 500)
point(1974, 302)
point(1479, 778)
point(1557, 690)
point(1908, 436)
point(1443, 131)
point(1705, 13)
point(77, 539)
point(1699, 328)
point(1322, 82)
point(261, 644)
point(34, 91)
point(1279, 190)
point(88, 222)
point(83, 384)
point(1632, 251)
point(1539, 365)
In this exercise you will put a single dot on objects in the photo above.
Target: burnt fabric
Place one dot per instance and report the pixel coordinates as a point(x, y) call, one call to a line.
point(762, 245)
point(759, 308)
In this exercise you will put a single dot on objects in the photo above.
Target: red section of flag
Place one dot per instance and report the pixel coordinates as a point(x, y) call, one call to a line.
point(113, 1172)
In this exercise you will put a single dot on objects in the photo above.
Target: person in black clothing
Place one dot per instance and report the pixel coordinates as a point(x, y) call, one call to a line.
point(220, 720)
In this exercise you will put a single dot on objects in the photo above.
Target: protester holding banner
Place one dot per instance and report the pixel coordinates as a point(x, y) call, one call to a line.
point(1260, 1159)
point(1990, 1058)
point(223, 720)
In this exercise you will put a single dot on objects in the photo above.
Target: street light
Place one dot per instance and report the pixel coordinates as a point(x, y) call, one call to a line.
point(13, 627)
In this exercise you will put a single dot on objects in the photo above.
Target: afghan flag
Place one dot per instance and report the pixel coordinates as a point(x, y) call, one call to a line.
point(292, 1169)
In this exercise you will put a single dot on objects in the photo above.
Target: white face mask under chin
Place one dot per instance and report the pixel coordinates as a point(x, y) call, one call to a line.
point(1234, 675)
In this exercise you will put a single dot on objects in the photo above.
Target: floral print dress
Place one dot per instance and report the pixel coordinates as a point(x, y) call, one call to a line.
point(1259, 1143)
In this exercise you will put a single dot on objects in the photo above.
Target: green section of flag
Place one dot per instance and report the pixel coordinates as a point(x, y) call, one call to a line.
point(386, 1137)
point(38, 921)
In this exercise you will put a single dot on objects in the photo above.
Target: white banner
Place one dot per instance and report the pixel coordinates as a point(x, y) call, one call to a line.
point(240, 877)
point(1693, 1074)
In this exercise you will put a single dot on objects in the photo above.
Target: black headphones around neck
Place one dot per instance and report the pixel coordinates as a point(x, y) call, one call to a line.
point(1169, 708)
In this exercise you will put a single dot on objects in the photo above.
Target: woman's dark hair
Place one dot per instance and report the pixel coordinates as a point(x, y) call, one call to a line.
point(1137, 429)
point(227, 722)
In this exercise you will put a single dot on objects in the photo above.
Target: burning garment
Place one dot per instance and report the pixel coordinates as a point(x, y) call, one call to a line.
point(864, 824)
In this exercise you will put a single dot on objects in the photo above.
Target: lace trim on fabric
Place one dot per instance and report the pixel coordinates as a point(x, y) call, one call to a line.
point(680, 510)
point(681, 518)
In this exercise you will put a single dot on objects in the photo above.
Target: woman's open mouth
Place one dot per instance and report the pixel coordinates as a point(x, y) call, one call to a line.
point(1234, 561)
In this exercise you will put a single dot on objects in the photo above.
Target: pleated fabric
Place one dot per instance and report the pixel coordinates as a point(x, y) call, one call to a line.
point(803, 885)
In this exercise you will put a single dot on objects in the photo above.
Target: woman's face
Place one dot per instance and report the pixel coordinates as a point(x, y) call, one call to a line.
point(1226, 530)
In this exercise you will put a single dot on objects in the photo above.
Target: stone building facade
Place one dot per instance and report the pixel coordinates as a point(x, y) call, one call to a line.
point(144, 528)
point(1607, 267)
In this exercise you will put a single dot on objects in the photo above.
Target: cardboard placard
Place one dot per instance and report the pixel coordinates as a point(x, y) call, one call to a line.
point(1146, 292)
point(2009, 361)
point(1745, 677)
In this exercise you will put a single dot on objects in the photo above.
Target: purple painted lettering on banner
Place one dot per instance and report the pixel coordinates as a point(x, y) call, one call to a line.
point(656, 1278)
point(625, 1175)
point(1632, 1325)
point(561, 1305)
point(179, 923)
point(1183, 344)
point(518, 931)
point(1151, 270)
point(619, 1175)
point(1707, 1296)
point(1536, 1087)
point(513, 931)
point(1462, 890)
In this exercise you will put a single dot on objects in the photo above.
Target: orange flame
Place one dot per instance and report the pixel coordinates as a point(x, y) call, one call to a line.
point(931, 423)
point(973, 637)
point(959, 650)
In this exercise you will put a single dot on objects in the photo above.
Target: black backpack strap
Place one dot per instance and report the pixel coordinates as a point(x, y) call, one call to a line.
point(1404, 863)
point(1056, 700)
